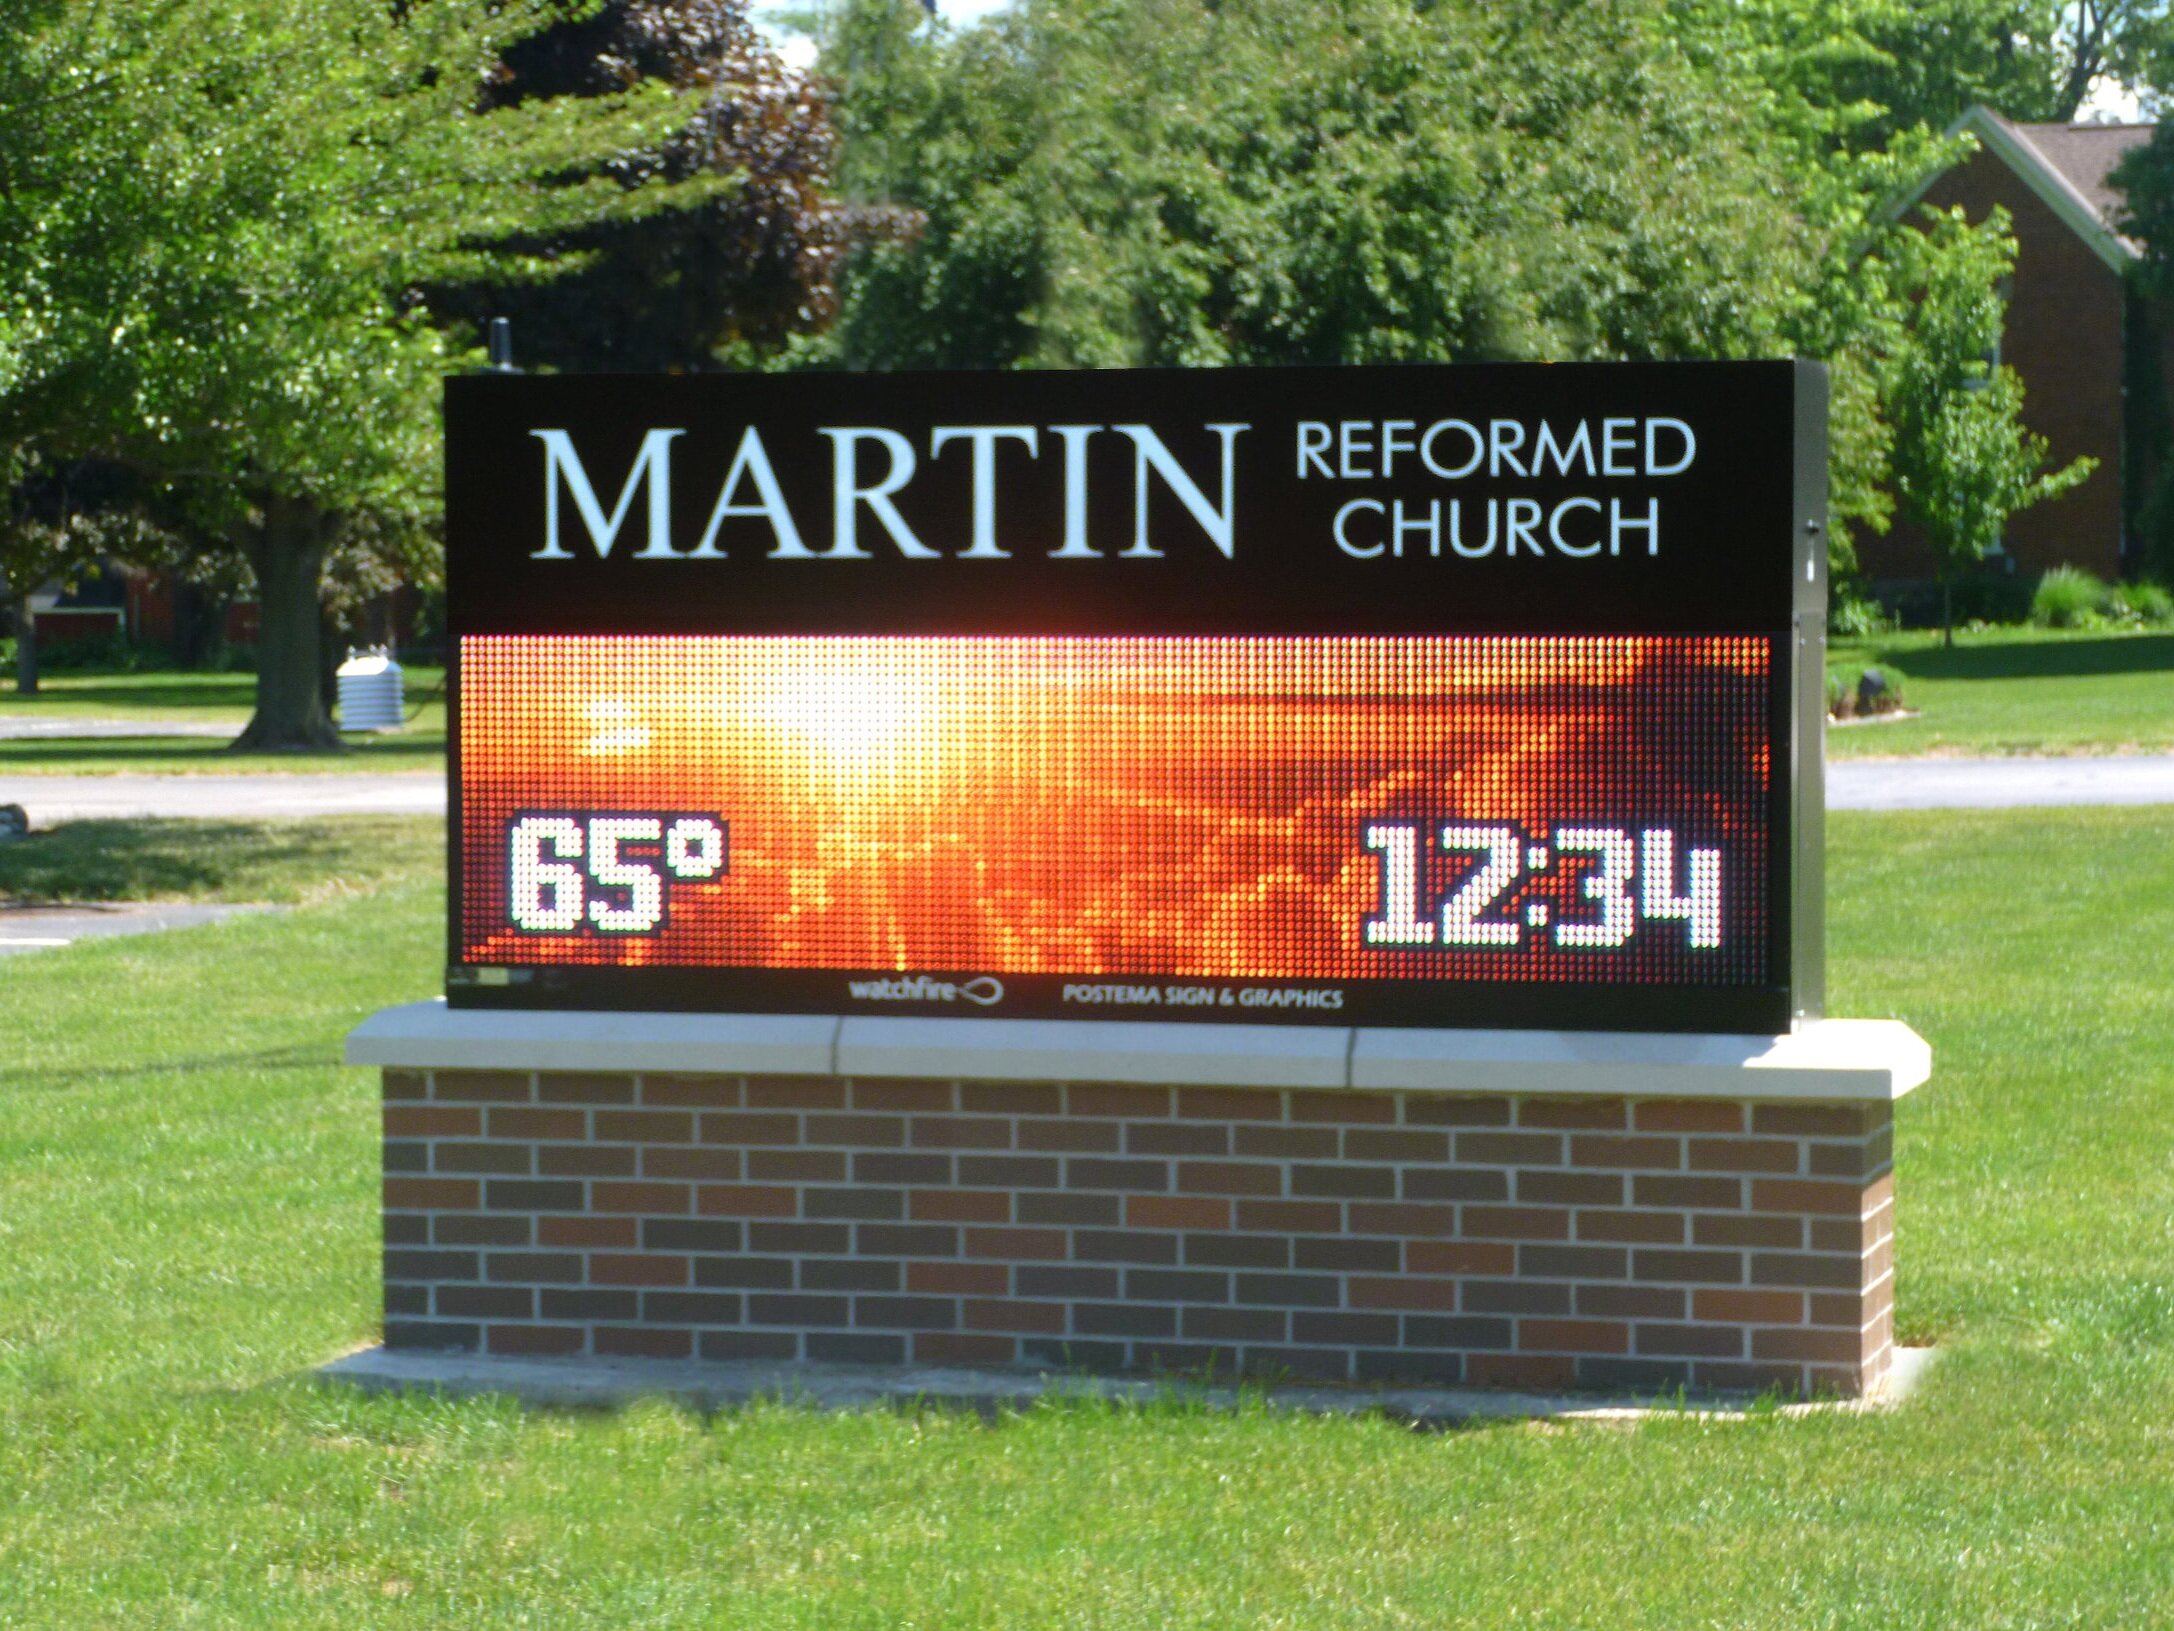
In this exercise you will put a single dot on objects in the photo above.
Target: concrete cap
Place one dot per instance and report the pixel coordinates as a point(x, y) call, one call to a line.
point(1875, 1060)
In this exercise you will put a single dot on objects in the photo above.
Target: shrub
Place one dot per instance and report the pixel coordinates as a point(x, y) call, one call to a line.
point(86, 651)
point(1991, 598)
point(1858, 618)
point(2146, 603)
point(2070, 598)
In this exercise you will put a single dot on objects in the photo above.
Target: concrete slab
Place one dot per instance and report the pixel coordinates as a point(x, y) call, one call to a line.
point(431, 1036)
point(604, 1383)
point(1829, 1059)
point(41, 928)
point(1088, 1050)
point(1825, 1059)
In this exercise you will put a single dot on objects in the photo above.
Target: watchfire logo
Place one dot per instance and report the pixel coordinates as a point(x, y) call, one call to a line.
point(920, 988)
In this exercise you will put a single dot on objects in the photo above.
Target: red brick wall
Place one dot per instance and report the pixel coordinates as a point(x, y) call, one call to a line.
point(2064, 336)
point(1532, 1242)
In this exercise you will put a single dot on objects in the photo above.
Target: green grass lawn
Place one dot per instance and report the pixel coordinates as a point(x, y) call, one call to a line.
point(2007, 691)
point(223, 699)
point(92, 694)
point(187, 1224)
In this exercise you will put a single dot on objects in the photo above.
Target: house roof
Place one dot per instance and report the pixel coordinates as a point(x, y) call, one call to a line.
point(2085, 156)
point(2069, 167)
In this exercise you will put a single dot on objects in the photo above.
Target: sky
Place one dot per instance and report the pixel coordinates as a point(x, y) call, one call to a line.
point(799, 51)
point(2110, 102)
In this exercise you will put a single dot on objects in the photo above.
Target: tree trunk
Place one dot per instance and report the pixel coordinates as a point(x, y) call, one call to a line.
point(26, 649)
point(199, 624)
point(1947, 614)
point(287, 553)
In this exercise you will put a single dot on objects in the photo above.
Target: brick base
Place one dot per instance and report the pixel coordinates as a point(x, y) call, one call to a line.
point(1346, 1236)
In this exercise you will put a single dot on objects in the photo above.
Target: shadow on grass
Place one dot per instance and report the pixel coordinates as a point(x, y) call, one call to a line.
point(276, 861)
point(998, 1397)
point(2035, 659)
point(1004, 1395)
point(301, 1056)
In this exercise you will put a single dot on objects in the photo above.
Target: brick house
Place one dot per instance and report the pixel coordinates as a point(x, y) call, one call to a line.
point(2073, 319)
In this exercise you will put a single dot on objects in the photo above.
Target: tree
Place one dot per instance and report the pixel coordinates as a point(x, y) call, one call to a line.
point(735, 281)
point(2146, 181)
point(213, 218)
point(1895, 65)
point(33, 551)
point(1963, 460)
point(1126, 181)
point(1861, 91)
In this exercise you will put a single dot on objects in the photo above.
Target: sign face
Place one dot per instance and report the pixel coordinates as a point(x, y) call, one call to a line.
point(1471, 696)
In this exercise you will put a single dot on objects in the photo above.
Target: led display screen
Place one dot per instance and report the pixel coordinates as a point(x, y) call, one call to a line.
point(1127, 696)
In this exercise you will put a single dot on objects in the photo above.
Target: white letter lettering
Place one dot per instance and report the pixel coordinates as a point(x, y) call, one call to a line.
point(1502, 446)
point(1579, 447)
point(1426, 448)
point(1690, 448)
point(1650, 526)
point(1343, 542)
point(1075, 546)
point(1615, 438)
point(984, 439)
point(753, 461)
point(1456, 530)
point(1219, 525)
point(848, 493)
point(1313, 441)
point(1524, 516)
point(1555, 527)
point(653, 464)
point(1430, 524)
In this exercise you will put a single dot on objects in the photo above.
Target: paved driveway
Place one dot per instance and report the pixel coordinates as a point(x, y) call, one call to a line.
point(16, 728)
point(1981, 784)
point(37, 928)
point(51, 799)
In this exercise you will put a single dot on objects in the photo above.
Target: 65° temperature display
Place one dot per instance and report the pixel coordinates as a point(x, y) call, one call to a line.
point(569, 873)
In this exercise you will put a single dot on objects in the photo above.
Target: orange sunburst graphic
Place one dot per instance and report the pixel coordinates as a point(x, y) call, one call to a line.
point(1092, 806)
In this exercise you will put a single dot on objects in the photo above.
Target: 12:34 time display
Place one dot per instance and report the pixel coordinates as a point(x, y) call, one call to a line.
point(1626, 878)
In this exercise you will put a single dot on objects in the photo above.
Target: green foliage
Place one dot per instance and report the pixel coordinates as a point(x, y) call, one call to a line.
point(1856, 617)
point(1106, 182)
point(735, 279)
point(1963, 461)
point(2068, 597)
point(2145, 179)
point(1878, 69)
point(2150, 604)
point(214, 217)
point(1860, 90)
point(212, 205)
